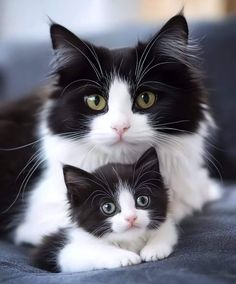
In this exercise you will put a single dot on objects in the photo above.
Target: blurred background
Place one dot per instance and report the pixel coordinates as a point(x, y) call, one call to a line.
point(27, 20)
point(25, 47)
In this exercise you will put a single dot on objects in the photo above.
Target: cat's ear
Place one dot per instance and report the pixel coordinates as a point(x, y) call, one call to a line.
point(176, 29)
point(148, 161)
point(171, 41)
point(79, 183)
point(68, 47)
point(62, 37)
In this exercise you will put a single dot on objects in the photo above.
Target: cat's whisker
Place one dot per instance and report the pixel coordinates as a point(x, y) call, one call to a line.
point(146, 52)
point(93, 52)
point(22, 146)
point(33, 157)
point(149, 69)
point(24, 183)
point(96, 84)
point(148, 83)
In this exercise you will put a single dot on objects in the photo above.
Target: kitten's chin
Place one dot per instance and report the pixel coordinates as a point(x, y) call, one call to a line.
point(127, 235)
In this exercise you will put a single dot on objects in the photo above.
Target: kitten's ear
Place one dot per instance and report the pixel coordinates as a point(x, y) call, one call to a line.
point(148, 161)
point(79, 183)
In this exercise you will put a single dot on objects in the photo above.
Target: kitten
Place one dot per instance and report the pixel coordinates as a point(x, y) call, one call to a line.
point(119, 215)
point(108, 106)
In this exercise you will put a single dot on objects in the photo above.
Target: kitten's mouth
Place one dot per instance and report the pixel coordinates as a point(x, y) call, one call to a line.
point(132, 227)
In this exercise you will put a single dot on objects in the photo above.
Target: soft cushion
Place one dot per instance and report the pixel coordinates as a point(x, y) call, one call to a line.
point(206, 253)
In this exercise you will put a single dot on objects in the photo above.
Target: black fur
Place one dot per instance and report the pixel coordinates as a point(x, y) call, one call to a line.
point(17, 147)
point(45, 255)
point(88, 191)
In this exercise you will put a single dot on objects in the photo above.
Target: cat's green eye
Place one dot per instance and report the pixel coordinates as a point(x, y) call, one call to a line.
point(108, 208)
point(143, 201)
point(96, 102)
point(145, 100)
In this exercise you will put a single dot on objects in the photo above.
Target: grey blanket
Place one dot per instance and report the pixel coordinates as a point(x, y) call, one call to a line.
point(206, 253)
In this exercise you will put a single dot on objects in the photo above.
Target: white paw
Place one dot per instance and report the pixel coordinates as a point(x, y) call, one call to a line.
point(153, 252)
point(75, 261)
point(121, 258)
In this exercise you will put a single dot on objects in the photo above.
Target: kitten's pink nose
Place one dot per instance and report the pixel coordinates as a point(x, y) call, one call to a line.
point(131, 219)
point(121, 129)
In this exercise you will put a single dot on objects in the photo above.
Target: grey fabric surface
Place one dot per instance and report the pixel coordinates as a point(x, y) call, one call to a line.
point(206, 254)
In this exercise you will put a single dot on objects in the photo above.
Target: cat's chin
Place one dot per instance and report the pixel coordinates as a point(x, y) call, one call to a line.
point(124, 148)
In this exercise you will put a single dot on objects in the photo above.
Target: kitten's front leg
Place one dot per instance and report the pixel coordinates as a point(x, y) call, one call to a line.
point(161, 242)
point(85, 252)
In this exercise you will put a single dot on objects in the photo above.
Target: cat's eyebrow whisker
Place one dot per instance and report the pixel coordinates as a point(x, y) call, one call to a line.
point(147, 51)
point(147, 84)
point(142, 71)
point(154, 66)
point(77, 81)
point(93, 52)
point(90, 62)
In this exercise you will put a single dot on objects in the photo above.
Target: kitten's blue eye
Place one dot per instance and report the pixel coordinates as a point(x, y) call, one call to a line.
point(143, 201)
point(108, 208)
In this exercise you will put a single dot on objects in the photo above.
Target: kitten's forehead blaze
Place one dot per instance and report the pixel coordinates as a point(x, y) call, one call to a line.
point(126, 200)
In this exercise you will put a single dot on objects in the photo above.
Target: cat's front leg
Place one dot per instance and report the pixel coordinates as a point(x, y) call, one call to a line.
point(161, 242)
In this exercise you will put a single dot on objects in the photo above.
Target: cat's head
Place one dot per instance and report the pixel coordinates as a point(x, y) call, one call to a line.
point(118, 199)
point(126, 99)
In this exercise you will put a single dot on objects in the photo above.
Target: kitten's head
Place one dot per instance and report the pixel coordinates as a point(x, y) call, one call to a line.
point(118, 199)
point(126, 99)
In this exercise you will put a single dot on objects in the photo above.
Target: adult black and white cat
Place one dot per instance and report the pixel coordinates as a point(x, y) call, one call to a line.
point(107, 106)
point(119, 217)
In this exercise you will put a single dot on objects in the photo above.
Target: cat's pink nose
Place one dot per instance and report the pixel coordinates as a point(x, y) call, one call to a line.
point(131, 219)
point(121, 129)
